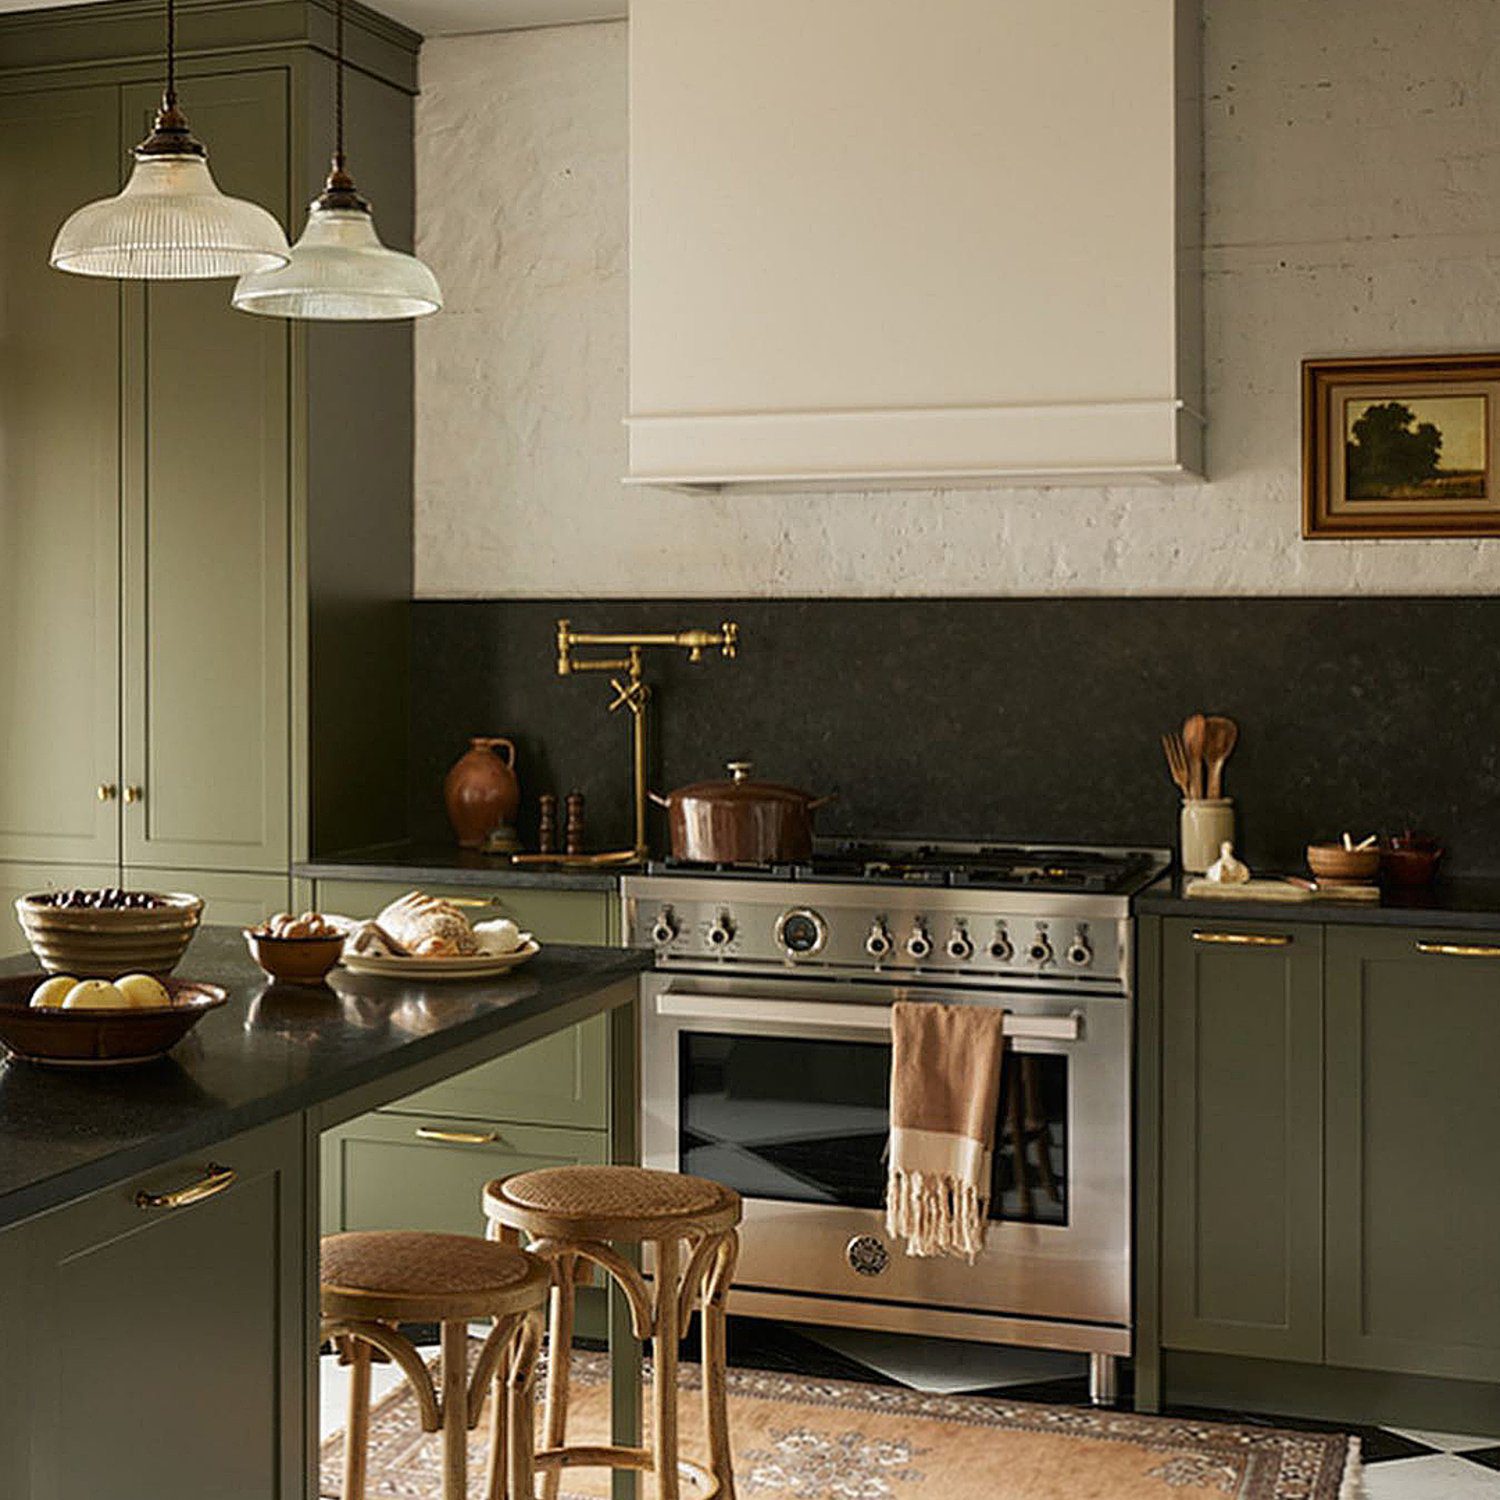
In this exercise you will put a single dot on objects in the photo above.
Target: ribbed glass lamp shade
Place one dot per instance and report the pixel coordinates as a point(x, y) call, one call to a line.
point(340, 272)
point(170, 223)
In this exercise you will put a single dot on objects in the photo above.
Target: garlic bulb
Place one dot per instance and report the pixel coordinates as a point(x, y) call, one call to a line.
point(1226, 869)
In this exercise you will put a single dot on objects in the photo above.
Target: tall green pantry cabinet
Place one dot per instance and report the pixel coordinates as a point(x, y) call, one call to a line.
point(205, 517)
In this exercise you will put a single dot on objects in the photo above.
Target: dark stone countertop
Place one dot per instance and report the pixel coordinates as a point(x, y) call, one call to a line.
point(1468, 903)
point(418, 864)
point(270, 1052)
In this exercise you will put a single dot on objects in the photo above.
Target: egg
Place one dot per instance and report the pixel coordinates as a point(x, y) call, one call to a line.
point(94, 994)
point(48, 995)
point(143, 990)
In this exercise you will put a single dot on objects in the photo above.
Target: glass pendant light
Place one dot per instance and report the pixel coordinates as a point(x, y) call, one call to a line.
point(339, 270)
point(171, 222)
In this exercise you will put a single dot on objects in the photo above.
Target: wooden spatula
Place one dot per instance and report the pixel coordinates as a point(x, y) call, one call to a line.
point(1194, 732)
point(1220, 735)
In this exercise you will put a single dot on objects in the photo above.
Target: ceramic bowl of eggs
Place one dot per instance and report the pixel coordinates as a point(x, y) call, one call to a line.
point(296, 950)
point(104, 932)
point(66, 1020)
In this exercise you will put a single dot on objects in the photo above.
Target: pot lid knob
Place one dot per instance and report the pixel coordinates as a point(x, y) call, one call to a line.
point(740, 769)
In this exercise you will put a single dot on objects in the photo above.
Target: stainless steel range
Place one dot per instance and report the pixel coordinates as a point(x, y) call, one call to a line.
point(766, 1065)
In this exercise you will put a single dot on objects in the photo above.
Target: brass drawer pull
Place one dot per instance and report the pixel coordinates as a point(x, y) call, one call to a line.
point(1245, 939)
point(214, 1180)
point(459, 1137)
point(1460, 950)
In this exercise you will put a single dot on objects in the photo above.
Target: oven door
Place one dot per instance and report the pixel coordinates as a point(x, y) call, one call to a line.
point(780, 1089)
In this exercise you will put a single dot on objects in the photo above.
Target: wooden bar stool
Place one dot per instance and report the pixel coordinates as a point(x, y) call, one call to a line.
point(373, 1281)
point(576, 1216)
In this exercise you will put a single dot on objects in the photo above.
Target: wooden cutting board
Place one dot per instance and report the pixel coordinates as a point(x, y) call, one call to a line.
point(1276, 890)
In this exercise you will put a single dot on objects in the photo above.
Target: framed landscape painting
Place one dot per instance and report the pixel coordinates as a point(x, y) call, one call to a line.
point(1401, 447)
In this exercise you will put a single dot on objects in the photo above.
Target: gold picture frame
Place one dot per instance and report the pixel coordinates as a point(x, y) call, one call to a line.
point(1403, 446)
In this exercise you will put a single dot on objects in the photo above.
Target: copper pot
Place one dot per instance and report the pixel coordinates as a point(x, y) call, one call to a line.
point(740, 821)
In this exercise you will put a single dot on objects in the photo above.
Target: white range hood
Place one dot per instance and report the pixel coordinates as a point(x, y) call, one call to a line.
point(914, 242)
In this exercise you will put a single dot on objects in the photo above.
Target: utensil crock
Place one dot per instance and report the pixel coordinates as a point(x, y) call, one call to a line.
point(1206, 824)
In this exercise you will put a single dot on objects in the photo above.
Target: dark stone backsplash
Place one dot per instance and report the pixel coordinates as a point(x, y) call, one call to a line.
point(999, 718)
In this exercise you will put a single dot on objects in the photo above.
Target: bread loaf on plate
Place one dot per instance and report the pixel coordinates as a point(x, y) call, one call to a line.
point(428, 927)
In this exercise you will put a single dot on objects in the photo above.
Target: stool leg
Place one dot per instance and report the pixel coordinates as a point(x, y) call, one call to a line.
point(520, 1400)
point(498, 1471)
point(357, 1427)
point(664, 1341)
point(559, 1359)
point(716, 1361)
point(455, 1345)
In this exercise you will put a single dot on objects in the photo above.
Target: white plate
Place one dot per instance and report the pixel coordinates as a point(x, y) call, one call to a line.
point(476, 966)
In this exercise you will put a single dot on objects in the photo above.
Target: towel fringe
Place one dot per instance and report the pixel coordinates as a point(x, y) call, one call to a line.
point(937, 1214)
point(1353, 1487)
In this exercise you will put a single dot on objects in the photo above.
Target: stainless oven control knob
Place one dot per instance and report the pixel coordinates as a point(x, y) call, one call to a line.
point(918, 945)
point(1000, 948)
point(722, 931)
point(867, 1255)
point(959, 946)
point(801, 931)
point(665, 929)
point(878, 942)
point(1040, 951)
point(1080, 955)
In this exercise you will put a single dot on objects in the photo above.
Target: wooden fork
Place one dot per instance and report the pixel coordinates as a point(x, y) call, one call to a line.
point(1177, 761)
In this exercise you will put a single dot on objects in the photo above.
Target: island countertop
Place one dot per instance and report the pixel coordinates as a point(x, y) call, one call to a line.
point(274, 1051)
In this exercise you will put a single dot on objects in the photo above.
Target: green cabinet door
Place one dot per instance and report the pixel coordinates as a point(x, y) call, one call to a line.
point(560, 1080)
point(1242, 1124)
point(207, 619)
point(1413, 1112)
point(160, 1353)
point(238, 899)
point(59, 503)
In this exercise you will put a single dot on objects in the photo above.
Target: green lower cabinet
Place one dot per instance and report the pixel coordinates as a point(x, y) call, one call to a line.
point(1241, 1132)
point(1413, 1112)
point(238, 899)
point(201, 1311)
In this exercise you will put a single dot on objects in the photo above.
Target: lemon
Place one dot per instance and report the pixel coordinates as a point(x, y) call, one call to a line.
point(143, 990)
point(48, 995)
point(94, 994)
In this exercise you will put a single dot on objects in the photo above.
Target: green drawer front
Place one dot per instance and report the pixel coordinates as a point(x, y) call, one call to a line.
point(380, 1173)
point(561, 1080)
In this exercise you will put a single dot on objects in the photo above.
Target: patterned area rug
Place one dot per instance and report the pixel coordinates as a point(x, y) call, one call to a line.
point(797, 1438)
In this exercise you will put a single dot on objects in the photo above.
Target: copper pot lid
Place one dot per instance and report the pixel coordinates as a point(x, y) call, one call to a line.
point(741, 788)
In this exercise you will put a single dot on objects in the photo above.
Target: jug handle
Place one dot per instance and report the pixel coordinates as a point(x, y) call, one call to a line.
point(490, 741)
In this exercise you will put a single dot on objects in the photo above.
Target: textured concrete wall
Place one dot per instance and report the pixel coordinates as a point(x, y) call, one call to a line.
point(1352, 205)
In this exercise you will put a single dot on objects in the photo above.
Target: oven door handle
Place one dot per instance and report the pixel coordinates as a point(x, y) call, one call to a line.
point(813, 1013)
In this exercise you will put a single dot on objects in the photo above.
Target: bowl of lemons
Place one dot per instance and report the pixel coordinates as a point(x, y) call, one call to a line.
point(65, 1021)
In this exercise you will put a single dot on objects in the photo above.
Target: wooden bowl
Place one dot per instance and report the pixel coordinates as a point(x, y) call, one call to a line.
point(295, 960)
point(102, 944)
point(99, 1038)
point(1334, 862)
point(1410, 865)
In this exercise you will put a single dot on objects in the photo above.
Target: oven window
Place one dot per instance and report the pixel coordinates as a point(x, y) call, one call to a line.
point(805, 1120)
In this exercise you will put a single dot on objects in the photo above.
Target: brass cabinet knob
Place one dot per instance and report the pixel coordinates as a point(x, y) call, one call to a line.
point(107, 791)
point(132, 794)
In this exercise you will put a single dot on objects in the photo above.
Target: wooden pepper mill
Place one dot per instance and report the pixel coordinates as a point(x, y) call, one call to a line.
point(546, 833)
point(573, 833)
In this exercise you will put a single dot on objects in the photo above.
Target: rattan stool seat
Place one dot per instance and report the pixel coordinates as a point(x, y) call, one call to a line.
point(611, 1203)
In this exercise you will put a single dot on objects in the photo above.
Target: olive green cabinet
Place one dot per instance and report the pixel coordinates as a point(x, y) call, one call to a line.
point(202, 512)
point(1413, 1115)
point(1242, 1125)
point(20, 880)
point(158, 1352)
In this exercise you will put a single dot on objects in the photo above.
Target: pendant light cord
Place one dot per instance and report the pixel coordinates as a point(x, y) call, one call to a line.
point(338, 86)
point(170, 93)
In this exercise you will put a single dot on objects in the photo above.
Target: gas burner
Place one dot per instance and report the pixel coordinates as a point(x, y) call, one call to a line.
point(720, 871)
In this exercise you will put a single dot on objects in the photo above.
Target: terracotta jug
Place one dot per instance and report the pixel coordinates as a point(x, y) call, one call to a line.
point(481, 792)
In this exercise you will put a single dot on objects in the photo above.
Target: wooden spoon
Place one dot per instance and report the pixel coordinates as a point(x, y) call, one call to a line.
point(1194, 731)
point(1219, 739)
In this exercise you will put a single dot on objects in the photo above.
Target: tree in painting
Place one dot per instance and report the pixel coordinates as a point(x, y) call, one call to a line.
point(1391, 452)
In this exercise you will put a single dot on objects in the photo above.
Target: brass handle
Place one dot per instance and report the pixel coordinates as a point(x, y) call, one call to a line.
point(1244, 939)
point(459, 1137)
point(214, 1180)
point(1459, 950)
point(132, 794)
point(107, 791)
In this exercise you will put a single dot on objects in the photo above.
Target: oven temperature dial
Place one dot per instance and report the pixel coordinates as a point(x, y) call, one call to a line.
point(1000, 948)
point(878, 941)
point(1040, 951)
point(801, 932)
point(959, 946)
point(1080, 954)
point(721, 933)
point(665, 928)
point(918, 945)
